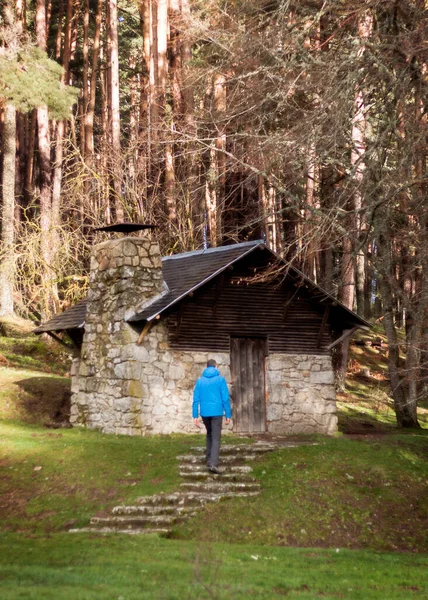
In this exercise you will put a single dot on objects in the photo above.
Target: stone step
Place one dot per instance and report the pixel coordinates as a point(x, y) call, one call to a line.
point(178, 499)
point(103, 530)
point(201, 468)
point(131, 521)
point(239, 449)
point(224, 460)
point(206, 475)
point(217, 487)
point(170, 509)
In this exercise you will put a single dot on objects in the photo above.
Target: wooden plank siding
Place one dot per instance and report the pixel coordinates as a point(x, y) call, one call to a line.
point(283, 313)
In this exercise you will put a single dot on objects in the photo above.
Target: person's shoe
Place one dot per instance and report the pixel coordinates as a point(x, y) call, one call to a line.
point(213, 469)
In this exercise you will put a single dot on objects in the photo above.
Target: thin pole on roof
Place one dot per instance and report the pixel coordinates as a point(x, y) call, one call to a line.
point(205, 231)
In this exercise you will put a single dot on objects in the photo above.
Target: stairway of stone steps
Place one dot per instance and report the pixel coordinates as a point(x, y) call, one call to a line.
point(161, 512)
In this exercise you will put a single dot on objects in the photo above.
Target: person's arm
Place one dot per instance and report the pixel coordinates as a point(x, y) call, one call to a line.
point(195, 406)
point(225, 399)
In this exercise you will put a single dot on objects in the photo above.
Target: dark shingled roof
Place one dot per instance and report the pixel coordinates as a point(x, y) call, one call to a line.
point(72, 318)
point(184, 273)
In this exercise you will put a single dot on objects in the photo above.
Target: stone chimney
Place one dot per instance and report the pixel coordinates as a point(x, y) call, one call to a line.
point(124, 274)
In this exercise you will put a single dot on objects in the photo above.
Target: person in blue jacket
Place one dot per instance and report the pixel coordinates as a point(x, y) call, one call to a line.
point(211, 401)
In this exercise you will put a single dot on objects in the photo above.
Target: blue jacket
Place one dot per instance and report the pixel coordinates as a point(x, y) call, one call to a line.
point(211, 396)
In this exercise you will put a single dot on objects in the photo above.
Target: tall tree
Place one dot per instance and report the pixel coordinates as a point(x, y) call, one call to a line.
point(45, 178)
point(114, 98)
point(7, 253)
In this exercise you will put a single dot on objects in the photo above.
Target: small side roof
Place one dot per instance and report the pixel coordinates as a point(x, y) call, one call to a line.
point(72, 318)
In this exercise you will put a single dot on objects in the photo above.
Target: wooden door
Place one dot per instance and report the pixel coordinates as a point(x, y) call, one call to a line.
point(247, 357)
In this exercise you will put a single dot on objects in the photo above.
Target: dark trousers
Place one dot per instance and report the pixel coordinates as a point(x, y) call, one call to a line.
point(213, 426)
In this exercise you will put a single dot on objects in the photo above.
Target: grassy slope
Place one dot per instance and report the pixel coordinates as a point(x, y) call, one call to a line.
point(363, 490)
point(53, 479)
point(366, 406)
point(340, 493)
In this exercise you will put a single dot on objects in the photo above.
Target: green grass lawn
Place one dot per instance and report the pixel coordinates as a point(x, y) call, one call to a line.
point(80, 567)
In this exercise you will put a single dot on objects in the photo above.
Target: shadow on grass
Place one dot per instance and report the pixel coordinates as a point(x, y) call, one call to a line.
point(45, 399)
point(354, 421)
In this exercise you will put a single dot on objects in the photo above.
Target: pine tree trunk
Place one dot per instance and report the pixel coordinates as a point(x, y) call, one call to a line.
point(29, 168)
point(146, 91)
point(7, 257)
point(85, 82)
point(220, 106)
point(309, 241)
point(58, 42)
point(357, 162)
point(104, 205)
point(190, 127)
point(44, 179)
point(90, 110)
point(114, 104)
point(404, 411)
point(347, 297)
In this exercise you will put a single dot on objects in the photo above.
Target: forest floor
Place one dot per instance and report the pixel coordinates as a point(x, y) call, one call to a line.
point(345, 518)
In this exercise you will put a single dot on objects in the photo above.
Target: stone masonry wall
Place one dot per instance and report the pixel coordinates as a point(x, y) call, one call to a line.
point(151, 392)
point(301, 397)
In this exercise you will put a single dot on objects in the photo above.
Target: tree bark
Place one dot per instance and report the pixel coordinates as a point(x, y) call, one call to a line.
point(29, 168)
point(189, 123)
point(7, 255)
point(44, 179)
point(114, 104)
point(90, 110)
point(357, 162)
point(220, 106)
point(85, 82)
point(60, 131)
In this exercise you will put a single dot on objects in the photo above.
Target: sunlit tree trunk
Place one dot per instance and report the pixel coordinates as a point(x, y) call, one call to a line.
point(357, 162)
point(90, 109)
point(44, 178)
point(104, 205)
point(85, 82)
point(114, 104)
point(196, 198)
point(220, 144)
point(146, 93)
point(21, 130)
point(60, 131)
point(309, 232)
point(7, 255)
point(31, 144)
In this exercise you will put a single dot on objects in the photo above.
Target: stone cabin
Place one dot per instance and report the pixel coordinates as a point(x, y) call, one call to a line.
point(148, 325)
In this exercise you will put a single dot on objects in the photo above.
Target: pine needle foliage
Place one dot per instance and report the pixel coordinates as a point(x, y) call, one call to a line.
point(30, 79)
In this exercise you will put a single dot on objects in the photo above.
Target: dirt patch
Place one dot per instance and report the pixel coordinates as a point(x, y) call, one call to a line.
point(370, 437)
point(157, 480)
